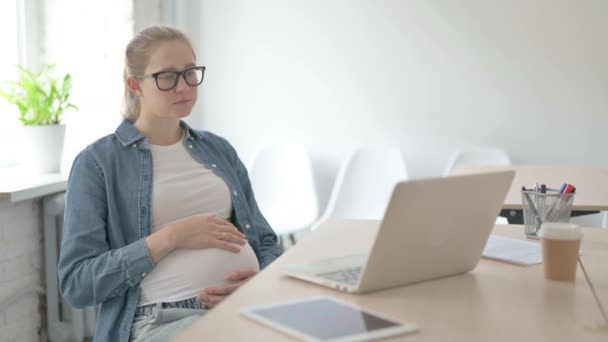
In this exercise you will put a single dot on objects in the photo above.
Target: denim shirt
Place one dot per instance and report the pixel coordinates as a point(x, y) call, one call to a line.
point(107, 217)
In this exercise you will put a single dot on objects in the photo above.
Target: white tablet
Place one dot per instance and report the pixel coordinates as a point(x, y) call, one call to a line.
point(326, 319)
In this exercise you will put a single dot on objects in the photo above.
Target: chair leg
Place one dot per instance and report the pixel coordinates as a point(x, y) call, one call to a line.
point(292, 238)
point(282, 242)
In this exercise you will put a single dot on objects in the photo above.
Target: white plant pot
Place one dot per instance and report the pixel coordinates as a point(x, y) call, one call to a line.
point(43, 146)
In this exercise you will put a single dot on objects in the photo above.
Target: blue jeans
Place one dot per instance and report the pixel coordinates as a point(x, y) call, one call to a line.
point(164, 321)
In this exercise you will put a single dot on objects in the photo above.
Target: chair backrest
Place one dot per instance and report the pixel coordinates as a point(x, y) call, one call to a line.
point(365, 183)
point(478, 156)
point(283, 184)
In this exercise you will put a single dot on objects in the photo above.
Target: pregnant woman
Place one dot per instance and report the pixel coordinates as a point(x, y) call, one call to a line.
point(160, 223)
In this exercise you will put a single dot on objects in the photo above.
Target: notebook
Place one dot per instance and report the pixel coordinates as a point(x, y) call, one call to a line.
point(513, 251)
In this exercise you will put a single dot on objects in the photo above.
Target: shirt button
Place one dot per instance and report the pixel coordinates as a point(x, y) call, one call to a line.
point(190, 146)
point(143, 274)
point(134, 145)
point(235, 194)
point(247, 226)
point(214, 166)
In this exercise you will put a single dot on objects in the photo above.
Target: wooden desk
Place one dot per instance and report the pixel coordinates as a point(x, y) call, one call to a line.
point(494, 302)
point(591, 185)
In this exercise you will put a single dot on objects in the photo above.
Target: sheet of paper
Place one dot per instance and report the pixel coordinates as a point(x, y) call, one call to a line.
point(513, 251)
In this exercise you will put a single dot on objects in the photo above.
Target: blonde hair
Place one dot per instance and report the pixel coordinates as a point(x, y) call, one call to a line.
point(137, 57)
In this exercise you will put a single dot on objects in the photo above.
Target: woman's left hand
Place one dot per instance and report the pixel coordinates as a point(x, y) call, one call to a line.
point(212, 296)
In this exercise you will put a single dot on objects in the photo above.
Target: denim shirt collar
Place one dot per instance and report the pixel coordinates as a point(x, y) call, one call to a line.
point(127, 133)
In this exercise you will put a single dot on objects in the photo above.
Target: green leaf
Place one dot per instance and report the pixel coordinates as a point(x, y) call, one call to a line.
point(66, 86)
point(22, 107)
point(50, 99)
point(8, 97)
point(40, 97)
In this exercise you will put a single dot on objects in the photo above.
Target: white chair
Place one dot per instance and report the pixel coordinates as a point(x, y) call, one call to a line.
point(597, 220)
point(365, 183)
point(478, 156)
point(283, 184)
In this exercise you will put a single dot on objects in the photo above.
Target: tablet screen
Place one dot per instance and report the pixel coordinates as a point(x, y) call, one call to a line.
point(324, 318)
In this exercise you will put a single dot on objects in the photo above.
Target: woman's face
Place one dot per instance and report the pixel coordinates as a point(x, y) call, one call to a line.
point(174, 103)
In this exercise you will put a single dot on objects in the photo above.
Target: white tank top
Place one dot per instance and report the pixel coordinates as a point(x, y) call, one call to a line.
point(183, 187)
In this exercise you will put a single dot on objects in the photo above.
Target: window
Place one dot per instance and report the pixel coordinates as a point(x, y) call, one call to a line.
point(89, 46)
point(9, 58)
point(94, 56)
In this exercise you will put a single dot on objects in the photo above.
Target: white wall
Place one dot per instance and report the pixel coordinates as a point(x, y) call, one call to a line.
point(528, 76)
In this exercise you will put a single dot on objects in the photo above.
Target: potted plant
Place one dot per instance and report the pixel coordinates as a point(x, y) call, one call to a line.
point(41, 99)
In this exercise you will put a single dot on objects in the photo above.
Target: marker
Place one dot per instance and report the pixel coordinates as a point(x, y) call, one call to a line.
point(561, 200)
point(567, 189)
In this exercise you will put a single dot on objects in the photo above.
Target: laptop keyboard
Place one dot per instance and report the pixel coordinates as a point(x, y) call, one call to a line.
point(348, 276)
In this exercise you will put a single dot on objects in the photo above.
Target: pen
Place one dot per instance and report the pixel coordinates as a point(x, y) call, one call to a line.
point(530, 203)
point(537, 220)
point(542, 199)
point(560, 202)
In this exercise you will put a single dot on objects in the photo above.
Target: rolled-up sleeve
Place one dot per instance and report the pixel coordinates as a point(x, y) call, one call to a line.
point(89, 271)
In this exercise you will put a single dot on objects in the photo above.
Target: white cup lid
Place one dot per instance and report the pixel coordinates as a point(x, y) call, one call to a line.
point(560, 231)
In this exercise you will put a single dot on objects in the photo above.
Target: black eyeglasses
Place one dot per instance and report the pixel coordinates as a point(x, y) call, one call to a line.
point(167, 80)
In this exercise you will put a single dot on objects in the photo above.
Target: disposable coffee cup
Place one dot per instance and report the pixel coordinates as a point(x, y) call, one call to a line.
point(560, 244)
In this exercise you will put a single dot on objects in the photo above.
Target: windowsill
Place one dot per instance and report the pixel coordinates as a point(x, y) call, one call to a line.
point(18, 185)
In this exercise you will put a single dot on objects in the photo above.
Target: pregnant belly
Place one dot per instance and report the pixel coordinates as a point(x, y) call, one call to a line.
point(185, 273)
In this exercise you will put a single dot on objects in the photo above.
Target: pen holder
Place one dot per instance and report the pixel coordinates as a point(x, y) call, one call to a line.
point(539, 208)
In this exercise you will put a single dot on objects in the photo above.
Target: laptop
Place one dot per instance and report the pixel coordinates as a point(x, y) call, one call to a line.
point(432, 228)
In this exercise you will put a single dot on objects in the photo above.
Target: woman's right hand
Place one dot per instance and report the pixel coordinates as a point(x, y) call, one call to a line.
point(207, 231)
